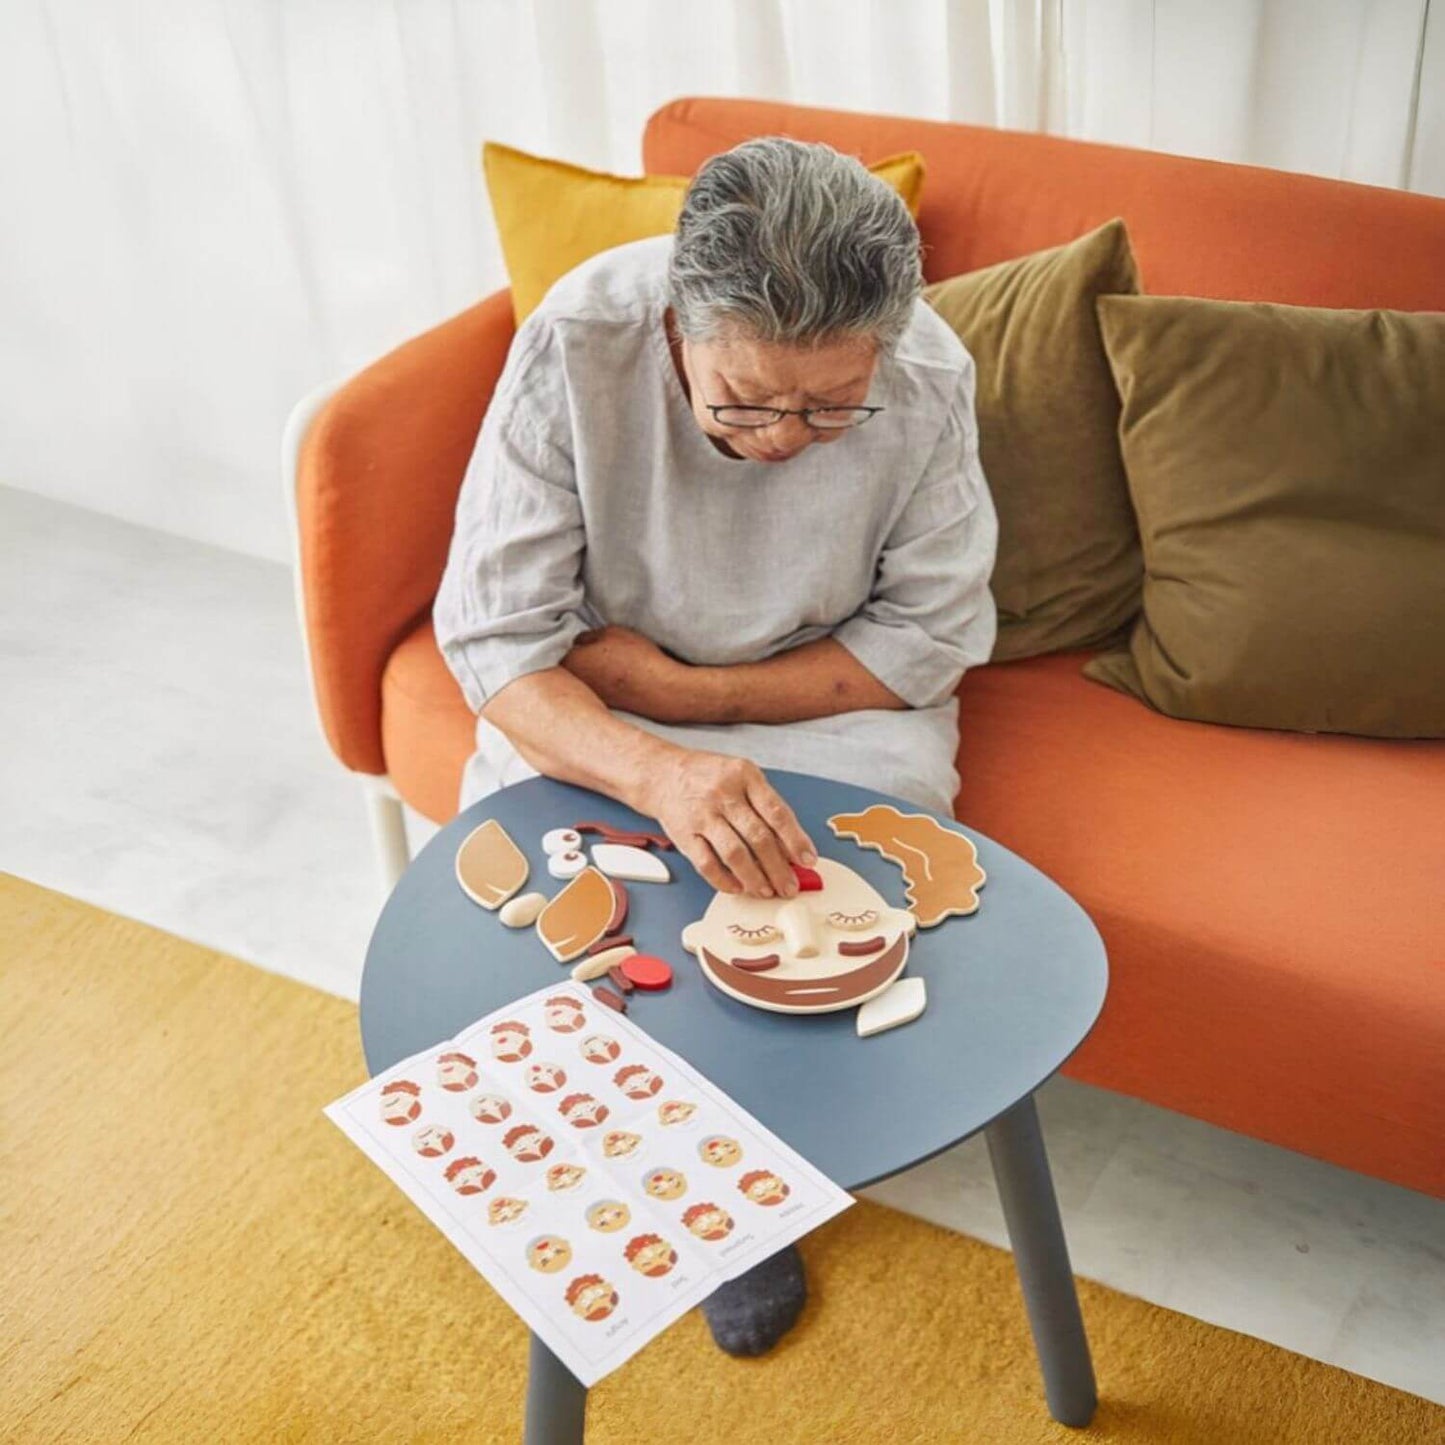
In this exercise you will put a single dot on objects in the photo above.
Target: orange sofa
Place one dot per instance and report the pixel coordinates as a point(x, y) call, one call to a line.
point(1271, 902)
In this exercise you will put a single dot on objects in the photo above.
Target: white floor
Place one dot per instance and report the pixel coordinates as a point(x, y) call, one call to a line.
point(161, 760)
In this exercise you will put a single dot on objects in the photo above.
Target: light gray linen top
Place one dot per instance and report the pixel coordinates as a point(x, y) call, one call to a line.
point(594, 497)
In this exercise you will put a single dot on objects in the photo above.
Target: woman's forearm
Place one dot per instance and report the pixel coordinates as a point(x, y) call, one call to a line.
point(563, 729)
point(818, 679)
point(629, 672)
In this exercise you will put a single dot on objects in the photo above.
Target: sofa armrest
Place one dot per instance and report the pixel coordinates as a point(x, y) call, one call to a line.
point(377, 474)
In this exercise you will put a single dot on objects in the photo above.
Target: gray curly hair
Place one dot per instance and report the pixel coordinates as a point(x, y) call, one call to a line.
point(791, 242)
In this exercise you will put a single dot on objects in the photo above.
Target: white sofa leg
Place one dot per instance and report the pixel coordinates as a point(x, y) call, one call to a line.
point(388, 831)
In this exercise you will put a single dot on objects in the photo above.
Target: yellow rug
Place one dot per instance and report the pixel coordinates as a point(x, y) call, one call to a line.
point(193, 1253)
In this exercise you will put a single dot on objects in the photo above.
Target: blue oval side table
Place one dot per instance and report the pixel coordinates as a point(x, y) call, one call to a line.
point(1013, 990)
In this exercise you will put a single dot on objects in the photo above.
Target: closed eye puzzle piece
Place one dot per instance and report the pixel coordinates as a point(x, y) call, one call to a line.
point(866, 919)
point(763, 933)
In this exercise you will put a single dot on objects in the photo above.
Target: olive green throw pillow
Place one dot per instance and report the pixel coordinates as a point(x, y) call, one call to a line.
point(1287, 466)
point(1068, 572)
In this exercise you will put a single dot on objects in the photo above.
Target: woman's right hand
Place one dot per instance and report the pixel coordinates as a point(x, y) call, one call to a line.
point(728, 821)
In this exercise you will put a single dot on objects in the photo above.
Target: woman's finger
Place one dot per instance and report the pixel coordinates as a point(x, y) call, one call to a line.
point(737, 858)
point(766, 846)
point(769, 805)
point(700, 853)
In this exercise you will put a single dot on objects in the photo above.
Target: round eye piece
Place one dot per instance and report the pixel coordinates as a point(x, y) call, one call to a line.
point(765, 933)
point(851, 921)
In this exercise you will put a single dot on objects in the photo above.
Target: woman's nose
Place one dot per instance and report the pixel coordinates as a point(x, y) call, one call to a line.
point(790, 434)
point(799, 933)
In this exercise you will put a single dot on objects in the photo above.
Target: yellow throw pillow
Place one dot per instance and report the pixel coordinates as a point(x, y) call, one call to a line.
point(552, 216)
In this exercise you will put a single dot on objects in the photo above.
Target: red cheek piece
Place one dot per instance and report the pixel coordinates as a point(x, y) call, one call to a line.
point(808, 879)
point(646, 972)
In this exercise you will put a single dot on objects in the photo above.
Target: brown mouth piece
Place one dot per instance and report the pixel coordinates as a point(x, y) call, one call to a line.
point(838, 990)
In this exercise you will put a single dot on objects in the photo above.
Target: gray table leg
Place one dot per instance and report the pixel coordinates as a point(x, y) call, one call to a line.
point(556, 1400)
point(1026, 1190)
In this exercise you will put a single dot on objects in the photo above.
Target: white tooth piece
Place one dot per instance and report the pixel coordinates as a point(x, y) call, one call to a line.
point(900, 1003)
point(566, 865)
point(561, 840)
point(637, 865)
point(596, 964)
point(522, 912)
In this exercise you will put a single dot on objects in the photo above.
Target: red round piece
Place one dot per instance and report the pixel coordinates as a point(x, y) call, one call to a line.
point(646, 971)
point(809, 880)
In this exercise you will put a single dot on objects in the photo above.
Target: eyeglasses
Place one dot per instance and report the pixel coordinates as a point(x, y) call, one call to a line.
point(820, 418)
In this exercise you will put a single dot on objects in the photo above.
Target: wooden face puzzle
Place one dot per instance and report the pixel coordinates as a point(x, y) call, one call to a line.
point(490, 866)
point(580, 914)
point(829, 948)
point(602, 1207)
point(939, 865)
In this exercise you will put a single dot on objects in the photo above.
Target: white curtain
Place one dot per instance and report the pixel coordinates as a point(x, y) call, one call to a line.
point(211, 206)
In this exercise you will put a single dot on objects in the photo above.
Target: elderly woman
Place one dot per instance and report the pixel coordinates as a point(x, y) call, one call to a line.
point(726, 513)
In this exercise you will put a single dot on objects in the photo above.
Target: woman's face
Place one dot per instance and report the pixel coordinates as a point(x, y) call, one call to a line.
point(742, 372)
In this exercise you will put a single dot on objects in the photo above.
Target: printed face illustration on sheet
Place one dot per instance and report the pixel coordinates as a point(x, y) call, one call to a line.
point(549, 1253)
point(591, 1297)
point(827, 948)
point(762, 1186)
point(563, 1014)
point(651, 1254)
point(675, 1111)
point(620, 1143)
point(582, 1111)
point(457, 1072)
point(545, 1078)
point(401, 1102)
point(709, 1221)
point(526, 1143)
point(665, 1183)
point(565, 1176)
point(637, 1081)
point(431, 1141)
point(607, 1216)
point(490, 1108)
point(504, 1209)
point(511, 1042)
point(720, 1151)
point(599, 1049)
point(470, 1176)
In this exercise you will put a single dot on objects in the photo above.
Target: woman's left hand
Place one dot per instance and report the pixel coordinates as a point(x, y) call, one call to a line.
point(630, 672)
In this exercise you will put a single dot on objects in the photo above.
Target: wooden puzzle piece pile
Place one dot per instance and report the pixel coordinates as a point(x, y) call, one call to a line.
point(583, 921)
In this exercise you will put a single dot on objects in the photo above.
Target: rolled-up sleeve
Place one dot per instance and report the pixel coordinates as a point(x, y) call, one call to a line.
point(509, 600)
point(931, 615)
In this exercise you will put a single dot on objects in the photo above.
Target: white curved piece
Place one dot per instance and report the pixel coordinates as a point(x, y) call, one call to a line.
point(637, 865)
point(899, 1004)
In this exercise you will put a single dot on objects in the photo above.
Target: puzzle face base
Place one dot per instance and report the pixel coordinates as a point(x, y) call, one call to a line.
point(831, 947)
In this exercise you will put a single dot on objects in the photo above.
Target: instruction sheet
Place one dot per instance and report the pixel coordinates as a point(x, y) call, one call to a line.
point(597, 1181)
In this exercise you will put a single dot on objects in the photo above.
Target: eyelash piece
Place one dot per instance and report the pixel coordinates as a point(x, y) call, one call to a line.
point(753, 935)
point(866, 919)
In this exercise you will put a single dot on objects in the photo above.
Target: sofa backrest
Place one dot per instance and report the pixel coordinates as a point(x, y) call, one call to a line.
point(1199, 228)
